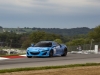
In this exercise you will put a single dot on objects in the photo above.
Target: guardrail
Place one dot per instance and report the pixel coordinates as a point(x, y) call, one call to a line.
point(95, 51)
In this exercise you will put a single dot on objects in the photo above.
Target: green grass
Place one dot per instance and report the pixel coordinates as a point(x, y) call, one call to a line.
point(47, 67)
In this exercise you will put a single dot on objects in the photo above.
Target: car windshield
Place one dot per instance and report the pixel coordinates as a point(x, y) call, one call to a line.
point(43, 44)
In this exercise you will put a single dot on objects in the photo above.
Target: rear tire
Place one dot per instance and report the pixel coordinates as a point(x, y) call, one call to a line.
point(29, 56)
point(51, 53)
point(65, 52)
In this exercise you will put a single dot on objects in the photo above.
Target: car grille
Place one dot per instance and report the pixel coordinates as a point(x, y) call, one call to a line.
point(34, 53)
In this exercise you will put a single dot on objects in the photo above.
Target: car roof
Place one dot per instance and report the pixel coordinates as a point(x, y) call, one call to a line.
point(47, 41)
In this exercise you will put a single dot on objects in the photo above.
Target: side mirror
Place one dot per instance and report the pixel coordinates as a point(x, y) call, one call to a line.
point(60, 45)
point(32, 45)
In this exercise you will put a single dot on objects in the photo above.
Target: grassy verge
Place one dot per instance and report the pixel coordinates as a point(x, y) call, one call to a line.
point(47, 67)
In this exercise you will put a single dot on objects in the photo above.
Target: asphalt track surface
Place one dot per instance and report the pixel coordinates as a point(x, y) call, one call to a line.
point(45, 61)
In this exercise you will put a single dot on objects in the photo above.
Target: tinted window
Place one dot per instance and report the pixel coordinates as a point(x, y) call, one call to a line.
point(56, 44)
point(43, 44)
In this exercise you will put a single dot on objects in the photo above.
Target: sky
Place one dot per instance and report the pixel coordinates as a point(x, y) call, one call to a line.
point(49, 13)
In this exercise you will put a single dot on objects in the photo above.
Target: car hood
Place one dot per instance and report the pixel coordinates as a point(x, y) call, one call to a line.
point(38, 48)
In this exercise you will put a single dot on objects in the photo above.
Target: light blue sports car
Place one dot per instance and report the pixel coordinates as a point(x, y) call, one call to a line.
point(46, 49)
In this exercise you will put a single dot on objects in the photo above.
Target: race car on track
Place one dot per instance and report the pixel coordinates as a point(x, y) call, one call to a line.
point(46, 49)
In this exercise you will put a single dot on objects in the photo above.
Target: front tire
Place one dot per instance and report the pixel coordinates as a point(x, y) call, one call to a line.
point(65, 52)
point(29, 56)
point(51, 53)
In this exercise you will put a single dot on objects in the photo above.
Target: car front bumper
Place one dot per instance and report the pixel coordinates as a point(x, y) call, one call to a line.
point(40, 53)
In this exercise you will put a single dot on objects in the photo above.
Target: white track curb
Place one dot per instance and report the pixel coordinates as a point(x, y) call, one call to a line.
point(23, 55)
point(2, 58)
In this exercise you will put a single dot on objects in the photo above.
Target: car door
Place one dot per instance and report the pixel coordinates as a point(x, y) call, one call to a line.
point(57, 49)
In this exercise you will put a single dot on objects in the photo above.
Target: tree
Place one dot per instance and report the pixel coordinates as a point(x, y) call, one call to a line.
point(95, 34)
point(41, 35)
point(76, 42)
point(37, 36)
point(26, 43)
point(58, 41)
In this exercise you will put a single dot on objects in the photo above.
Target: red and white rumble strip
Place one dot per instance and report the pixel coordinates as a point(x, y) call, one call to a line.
point(12, 57)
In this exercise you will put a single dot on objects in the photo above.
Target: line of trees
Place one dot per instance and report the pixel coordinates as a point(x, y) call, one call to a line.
point(11, 39)
point(92, 35)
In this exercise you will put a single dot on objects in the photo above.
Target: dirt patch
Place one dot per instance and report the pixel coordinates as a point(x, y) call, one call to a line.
point(92, 70)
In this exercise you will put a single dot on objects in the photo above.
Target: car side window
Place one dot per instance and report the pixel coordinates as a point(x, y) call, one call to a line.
point(56, 44)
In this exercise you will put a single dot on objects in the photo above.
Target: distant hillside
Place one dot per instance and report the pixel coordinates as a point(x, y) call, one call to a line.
point(69, 32)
